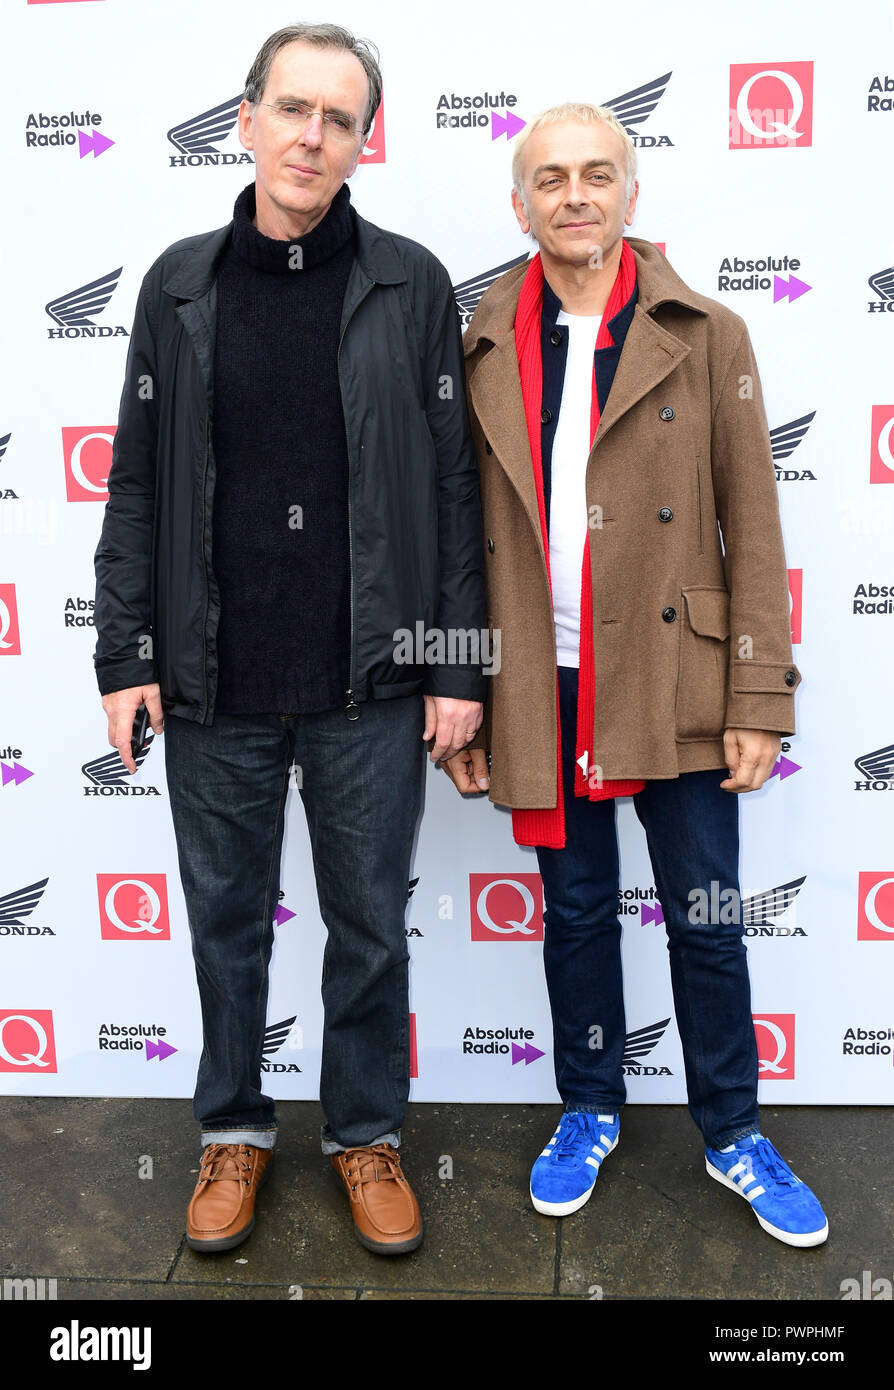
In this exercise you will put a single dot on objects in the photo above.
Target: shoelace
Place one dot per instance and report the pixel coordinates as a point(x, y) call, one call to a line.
point(372, 1164)
point(226, 1161)
point(579, 1131)
point(768, 1165)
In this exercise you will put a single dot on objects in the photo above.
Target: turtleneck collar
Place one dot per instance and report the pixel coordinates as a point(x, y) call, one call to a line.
point(268, 253)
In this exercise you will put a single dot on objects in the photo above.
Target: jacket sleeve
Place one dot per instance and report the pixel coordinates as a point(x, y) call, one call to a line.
point(124, 654)
point(462, 605)
point(762, 674)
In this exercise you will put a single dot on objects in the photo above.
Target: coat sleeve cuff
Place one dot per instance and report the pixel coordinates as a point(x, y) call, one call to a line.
point(762, 696)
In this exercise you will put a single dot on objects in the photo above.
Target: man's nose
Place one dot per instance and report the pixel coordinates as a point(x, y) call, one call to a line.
point(312, 135)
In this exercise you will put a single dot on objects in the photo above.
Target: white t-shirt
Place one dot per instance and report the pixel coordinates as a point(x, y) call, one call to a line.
point(568, 496)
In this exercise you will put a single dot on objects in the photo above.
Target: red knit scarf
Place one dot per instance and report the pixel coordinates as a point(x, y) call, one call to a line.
point(547, 827)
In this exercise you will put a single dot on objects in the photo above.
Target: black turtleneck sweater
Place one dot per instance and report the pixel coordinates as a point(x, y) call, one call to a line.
point(280, 541)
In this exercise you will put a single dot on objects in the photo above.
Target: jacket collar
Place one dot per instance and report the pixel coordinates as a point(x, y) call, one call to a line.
point(194, 274)
point(657, 283)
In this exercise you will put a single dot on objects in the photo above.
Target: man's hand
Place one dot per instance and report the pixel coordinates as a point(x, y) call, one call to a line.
point(750, 757)
point(468, 770)
point(121, 706)
point(451, 723)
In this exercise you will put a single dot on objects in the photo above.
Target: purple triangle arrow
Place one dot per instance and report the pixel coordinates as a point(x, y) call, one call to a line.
point(508, 124)
point(282, 914)
point(95, 142)
point(527, 1054)
point(16, 773)
point(793, 289)
point(651, 914)
point(785, 767)
point(159, 1049)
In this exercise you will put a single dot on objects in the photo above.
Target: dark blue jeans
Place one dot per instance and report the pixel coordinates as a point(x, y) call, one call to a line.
point(692, 832)
point(361, 785)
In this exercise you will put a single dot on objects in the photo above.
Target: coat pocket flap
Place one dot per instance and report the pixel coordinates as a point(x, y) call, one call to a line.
point(708, 611)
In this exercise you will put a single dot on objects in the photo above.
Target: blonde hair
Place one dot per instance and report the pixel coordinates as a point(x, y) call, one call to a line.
point(574, 111)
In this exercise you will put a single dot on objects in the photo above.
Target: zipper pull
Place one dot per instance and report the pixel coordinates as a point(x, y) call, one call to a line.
point(352, 709)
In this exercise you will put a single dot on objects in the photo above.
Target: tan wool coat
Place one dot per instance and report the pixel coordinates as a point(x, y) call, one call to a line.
point(691, 631)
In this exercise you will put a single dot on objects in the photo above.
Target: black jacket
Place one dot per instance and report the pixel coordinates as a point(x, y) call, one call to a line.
point(414, 511)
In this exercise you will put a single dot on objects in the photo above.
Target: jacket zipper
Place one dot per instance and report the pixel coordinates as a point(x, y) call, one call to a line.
point(352, 709)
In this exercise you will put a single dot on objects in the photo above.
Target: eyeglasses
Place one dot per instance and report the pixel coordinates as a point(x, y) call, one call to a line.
point(297, 115)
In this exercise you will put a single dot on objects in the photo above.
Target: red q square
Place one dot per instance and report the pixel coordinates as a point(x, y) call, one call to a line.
point(875, 906)
point(27, 1042)
point(10, 638)
point(770, 105)
point(881, 453)
point(374, 144)
point(506, 907)
point(87, 453)
point(133, 907)
point(775, 1035)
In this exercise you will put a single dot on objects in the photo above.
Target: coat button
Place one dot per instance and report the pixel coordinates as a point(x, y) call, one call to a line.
point(790, 677)
point(665, 514)
point(555, 337)
point(545, 416)
point(667, 412)
point(490, 544)
point(487, 448)
point(669, 614)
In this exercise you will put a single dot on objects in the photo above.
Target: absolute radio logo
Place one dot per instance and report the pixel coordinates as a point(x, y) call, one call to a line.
point(738, 273)
point(133, 909)
point(506, 908)
point(784, 440)
point(74, 312)
point(16, 907)
point(67, 128)
point(135, 1037)
point(874, 599)
point(87, 458)
point(287, 1033)
point(10, 637)
point(881, 453)
point(878, 770)
point(457, 111)
point(107, 775)
point(516, 1043)
point(882, 284)
point(27, 1041)
point(867, 1042)
point(876, 102)
point(12, 773)
point(875, 905)
point(770, 105)
point(775, 1034)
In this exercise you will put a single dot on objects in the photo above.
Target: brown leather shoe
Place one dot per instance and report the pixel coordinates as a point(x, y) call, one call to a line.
point(221, 1213)
point(385, 1211)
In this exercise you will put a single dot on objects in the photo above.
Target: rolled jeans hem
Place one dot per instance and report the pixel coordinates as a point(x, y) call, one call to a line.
point(257, 1138)
point(330, 1146)
point(731, 1138)
point(593, 1107)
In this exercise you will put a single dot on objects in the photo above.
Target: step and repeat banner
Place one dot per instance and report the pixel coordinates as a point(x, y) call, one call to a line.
point(764, 139)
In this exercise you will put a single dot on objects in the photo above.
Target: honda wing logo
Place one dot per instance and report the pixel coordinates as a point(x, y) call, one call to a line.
point(77, 308)
point(760, 909)
point(20, 903)
point(784, 439)
point(109, 771)
point(275, 1035)
point(469, 293)
point(634, 107)
point(200, 134)
point(641, 1042)
point(883, 283)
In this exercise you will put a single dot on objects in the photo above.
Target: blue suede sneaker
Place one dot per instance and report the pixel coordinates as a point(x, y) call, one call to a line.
point(782, 1203)
point(564, 1175)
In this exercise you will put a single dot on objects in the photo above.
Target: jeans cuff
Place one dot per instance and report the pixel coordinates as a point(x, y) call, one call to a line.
point(592, 1108)
point(331, 1146)
point(740, 1133)
point(257, 1138)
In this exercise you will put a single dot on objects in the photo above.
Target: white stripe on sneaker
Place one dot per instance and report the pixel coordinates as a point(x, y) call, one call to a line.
point(592, 1162)
point(756, 1192)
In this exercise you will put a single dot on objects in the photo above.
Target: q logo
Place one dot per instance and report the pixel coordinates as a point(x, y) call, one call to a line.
point(506, 909)
point(10, 645)
point(775, 1035)
point(27, 1043)
point(133, 909)
point(881, 460)
point(875, 912)
point(770, 105)
point(87, 453)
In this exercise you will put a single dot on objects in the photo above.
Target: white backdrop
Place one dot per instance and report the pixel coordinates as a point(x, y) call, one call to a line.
point(115, 194)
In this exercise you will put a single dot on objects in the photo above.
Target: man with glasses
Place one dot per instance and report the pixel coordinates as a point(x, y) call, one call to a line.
point(293, 481)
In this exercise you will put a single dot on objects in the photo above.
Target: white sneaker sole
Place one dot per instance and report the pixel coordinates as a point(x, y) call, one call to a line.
point(801, 1239)
point(566, 1208)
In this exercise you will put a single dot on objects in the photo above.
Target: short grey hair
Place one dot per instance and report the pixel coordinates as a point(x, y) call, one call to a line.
point(574, 111)
point(323, 36)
